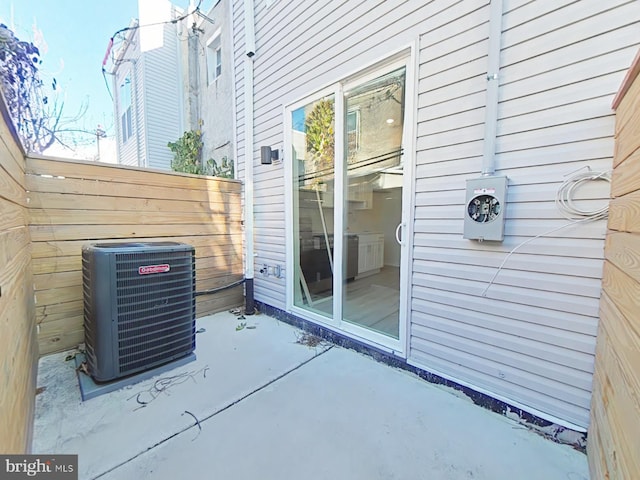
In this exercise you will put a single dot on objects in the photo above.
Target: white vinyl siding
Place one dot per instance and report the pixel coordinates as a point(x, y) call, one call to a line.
point(126, 128)
point(156, 116)
point(129, 150)
point(163, 106)
point(531, 340)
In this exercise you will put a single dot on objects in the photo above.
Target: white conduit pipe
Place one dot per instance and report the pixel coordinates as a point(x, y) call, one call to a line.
point(493, 84)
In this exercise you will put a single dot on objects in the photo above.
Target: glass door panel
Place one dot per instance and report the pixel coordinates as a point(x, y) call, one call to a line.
point(374, 121)
point(313, 140)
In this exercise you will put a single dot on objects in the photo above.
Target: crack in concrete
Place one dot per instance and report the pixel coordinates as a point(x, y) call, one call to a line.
point(217, 412)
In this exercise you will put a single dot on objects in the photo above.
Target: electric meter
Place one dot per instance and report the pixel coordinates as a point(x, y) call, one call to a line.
point(484, 208)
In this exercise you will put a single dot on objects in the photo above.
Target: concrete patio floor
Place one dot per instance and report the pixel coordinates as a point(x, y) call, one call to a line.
point(268, 407)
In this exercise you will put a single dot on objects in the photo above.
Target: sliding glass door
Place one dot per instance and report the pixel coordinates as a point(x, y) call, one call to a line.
point(347, 204)
point(313, 141)
point(373, 202)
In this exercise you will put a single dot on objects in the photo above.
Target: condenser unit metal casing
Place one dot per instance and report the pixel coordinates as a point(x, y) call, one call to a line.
point(139, 306)
point(485, 208)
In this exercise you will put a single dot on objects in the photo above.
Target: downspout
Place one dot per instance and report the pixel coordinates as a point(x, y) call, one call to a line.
point(136, 122)
point(116, 120)
point(249, 37)
point(179, 27)
point(134, 109)
point(194, 86)
point(493, 85)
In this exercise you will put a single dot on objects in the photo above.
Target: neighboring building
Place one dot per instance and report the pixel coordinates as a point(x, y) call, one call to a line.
point(171, 78)
point(382, 111)
point(210, 81)
point(147, 89)
point(107, 150)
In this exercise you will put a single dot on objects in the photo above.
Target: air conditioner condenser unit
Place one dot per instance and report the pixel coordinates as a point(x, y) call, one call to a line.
point(139, 306)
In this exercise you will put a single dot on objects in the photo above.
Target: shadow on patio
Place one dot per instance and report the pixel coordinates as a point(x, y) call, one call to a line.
point(257, 403)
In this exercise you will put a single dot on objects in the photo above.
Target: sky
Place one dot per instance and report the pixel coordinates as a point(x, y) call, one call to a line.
point(76, 33)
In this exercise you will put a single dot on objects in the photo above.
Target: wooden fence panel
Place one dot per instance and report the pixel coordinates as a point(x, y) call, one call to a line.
point(615, 424)
point(18, 348)
point(74, 203)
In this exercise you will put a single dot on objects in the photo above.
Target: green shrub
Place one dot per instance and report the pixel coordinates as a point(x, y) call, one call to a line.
point(187, 151)
point(187, 157)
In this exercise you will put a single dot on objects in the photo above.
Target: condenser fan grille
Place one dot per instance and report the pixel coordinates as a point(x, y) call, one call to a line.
point(139, 306)
point(89, 326)
point(154, 310)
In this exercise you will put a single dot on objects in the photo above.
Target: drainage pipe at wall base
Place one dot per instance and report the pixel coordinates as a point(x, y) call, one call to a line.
point(249, 32)
point(249, 302)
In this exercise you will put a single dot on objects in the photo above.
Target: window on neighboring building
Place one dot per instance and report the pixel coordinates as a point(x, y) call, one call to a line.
point(125, 109)
point(353, 131)
point(214, 58)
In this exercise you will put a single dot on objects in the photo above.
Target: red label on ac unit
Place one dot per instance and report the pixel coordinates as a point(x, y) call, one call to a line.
point(147, 269)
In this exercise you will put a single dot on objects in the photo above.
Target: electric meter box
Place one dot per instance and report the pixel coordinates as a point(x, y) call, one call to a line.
point(485, 208)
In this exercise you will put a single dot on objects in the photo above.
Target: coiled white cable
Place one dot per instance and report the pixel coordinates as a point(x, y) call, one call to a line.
point(565, 197)
point(565, 202)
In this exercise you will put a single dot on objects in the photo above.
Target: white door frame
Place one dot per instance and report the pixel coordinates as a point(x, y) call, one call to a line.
point(407, 57)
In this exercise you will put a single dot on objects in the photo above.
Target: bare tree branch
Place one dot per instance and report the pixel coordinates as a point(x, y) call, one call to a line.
point(38, 117)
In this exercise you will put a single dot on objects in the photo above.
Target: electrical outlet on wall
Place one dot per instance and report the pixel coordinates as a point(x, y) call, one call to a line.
point(272, 270)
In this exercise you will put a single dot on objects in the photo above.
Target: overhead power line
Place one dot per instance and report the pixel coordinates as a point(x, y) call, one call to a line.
point(136, 27)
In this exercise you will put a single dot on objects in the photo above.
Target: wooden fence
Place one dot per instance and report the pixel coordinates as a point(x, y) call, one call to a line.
point(613, 447)
point(18, 351)
point(72, 203)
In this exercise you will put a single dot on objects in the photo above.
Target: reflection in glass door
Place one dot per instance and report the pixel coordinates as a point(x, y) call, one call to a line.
point(359, 194)
point(312, 138)
point(373, 203)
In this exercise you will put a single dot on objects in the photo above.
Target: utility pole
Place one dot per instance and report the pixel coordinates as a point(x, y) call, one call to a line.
point(100, 133)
